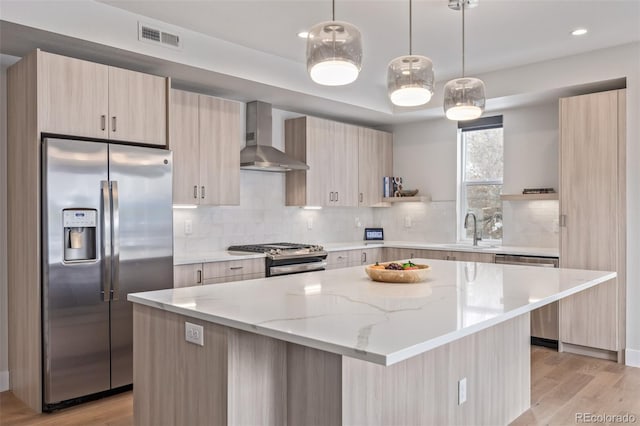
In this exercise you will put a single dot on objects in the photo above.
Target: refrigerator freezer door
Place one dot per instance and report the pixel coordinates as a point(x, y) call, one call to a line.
point(142, 239)
point(75, 316)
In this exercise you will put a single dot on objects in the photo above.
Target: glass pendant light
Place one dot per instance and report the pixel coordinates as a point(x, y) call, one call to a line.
point(334, 52)
point(410, 78)
point(464, 97)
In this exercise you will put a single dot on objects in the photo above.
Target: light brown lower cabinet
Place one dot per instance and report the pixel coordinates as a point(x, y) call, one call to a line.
point(187, 275)
point(218, 272)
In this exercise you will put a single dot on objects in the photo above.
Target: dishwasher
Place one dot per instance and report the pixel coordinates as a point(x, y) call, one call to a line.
point(544, 321)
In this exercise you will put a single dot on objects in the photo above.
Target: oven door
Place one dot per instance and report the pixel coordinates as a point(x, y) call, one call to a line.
point(277, 267)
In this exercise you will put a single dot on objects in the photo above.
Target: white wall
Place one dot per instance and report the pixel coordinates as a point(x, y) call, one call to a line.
point(4, 356)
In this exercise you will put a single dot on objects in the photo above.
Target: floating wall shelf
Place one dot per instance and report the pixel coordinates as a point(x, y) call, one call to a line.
point(417, 199)
point(529, 197)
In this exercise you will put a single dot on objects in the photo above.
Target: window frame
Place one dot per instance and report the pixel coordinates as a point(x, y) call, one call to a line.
point(484, 123)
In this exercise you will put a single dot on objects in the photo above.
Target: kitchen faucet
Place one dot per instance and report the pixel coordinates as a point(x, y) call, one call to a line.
point(475, 227)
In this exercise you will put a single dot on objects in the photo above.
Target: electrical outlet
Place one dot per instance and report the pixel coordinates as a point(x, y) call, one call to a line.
point(358, 223)
point(194, 333)
point(407, 221)
point(188, 227)
point(309, 223)
point(462, 391)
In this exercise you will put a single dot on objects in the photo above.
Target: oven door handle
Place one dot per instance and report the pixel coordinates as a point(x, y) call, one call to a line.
point(299, 267)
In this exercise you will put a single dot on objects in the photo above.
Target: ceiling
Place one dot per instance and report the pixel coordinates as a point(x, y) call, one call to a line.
point(247, 50)
point(500, 33)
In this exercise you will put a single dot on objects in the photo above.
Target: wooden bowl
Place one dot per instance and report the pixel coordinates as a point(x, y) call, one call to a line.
point(406, 276)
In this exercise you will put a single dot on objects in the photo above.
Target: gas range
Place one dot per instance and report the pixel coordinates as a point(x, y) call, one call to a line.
point(287, 258)
point(281, 250)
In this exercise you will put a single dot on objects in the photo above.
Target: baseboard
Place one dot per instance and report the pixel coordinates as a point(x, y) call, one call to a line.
point(587, 351)
point(632, 357)
point(4, 381)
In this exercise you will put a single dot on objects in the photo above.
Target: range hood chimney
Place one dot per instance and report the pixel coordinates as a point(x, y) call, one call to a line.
point(259, 154)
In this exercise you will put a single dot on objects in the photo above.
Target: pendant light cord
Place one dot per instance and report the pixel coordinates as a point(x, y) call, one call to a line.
point(410, 30)
point(462, 5)
point(333, 10)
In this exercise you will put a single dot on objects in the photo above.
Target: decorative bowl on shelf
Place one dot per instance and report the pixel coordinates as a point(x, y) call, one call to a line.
point(399, 276)
point(408, 192)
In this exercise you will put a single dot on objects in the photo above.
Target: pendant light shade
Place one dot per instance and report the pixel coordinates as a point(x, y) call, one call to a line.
point(464, 97)
point(334, 53)
point(410, 78)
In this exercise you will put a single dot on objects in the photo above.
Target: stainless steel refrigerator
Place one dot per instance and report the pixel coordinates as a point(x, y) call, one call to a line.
point(107, 231)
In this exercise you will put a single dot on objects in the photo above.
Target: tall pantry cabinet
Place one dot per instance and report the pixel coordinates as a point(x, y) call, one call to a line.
point(592, 219)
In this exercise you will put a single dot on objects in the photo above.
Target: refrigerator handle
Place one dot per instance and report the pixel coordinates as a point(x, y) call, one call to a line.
point(115, 241)
point(105, 250)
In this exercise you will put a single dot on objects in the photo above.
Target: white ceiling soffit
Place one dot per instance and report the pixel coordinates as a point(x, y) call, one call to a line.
point(256, 41)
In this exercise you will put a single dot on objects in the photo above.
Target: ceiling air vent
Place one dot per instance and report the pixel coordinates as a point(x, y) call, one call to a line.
point(152, 34)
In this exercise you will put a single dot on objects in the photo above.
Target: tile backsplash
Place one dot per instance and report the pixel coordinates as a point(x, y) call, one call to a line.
point(262, 217)
point(530, 223)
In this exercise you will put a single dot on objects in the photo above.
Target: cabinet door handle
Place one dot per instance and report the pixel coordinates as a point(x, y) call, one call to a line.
point(361, 197)
point(235, 268)
point(103, 122)
point(202, 192)
point(341, 257)
point(198, 276)
point(363, 257)
point(113, 123)
point(337, 193)
point(195, 191)
point(563, 220)
point(331, 196)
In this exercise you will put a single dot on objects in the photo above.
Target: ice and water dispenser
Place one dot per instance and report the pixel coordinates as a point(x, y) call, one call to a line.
point(80, 234)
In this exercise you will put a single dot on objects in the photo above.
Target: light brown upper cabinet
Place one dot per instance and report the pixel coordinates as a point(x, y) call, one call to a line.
point(335, 156)
point(81, 98)
point(592, 209)
point(205, 139)
point(375, 160)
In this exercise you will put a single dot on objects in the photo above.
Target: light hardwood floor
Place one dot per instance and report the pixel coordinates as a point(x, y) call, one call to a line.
point(562, 385)
point(115, 410)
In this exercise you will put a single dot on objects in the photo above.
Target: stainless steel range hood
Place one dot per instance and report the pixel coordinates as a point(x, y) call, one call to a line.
point(259, 154)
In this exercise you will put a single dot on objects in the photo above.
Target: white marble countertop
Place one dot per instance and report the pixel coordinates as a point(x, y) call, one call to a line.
point(483, 248)
point(343, 312)
point(223, 255)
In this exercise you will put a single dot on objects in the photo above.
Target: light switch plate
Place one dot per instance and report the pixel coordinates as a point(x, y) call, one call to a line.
point(194, 333)
point(188, 227)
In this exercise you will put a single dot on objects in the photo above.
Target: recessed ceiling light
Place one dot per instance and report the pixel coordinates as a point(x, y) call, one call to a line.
point(579, 31)
point(303, 34)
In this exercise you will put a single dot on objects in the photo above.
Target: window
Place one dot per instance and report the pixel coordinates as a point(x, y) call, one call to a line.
point(480, 174)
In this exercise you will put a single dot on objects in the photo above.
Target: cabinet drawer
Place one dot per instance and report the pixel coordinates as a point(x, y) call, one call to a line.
point(342, 259)
point(220, 280)
point(233, 268)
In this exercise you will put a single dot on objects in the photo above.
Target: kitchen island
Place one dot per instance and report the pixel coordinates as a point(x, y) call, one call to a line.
point(333, 347)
